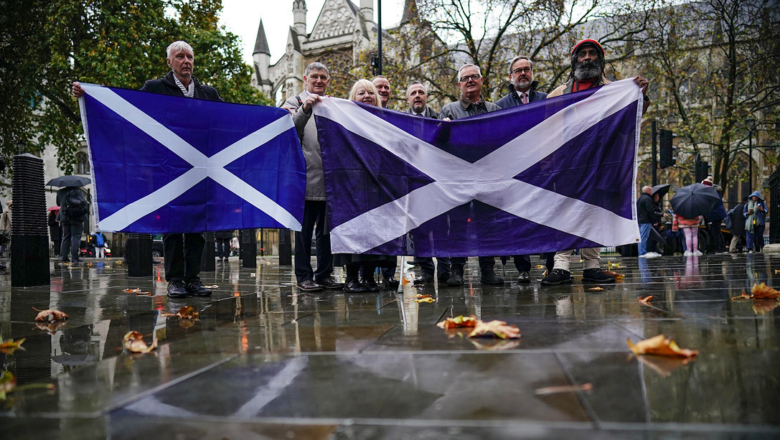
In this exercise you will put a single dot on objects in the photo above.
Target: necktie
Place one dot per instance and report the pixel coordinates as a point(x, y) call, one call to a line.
point(525, 98)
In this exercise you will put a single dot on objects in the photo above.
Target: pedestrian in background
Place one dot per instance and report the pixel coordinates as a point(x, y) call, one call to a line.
point(715, 219)
point(100, 244)
point(737, 225)
point(755, 219)
point(223, 244)
point(5, 228)
point(55, 231)
point(647, 216)
point(690, 227)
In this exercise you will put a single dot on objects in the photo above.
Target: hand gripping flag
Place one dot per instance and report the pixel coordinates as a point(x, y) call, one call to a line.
point(174, 164)
point(551, 175)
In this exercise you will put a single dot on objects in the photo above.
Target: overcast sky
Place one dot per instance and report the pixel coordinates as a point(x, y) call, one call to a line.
point(242, 17)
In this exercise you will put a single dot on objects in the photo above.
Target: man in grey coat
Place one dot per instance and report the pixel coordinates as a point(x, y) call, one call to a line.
point(316, 79)
point(471, 103)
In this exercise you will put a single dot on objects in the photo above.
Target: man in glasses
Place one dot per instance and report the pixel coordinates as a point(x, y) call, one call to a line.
point(471, 104)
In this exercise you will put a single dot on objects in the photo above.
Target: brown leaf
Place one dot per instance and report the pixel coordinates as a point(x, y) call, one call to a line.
point(646, 300)
point(762, 291)
point(425, 300)
point(137, 291)
point(10, 346)
point(663, 365)
point(546, 391)
point(741, 297)
point(458, 321)
point(498, 329)
point(421, 296)
point(50, 315)
point(187, 312)
point(596, 289)
point(51, 328)
point(134, 343)
point(661, 346)
point(764, 306)
point(618, 276)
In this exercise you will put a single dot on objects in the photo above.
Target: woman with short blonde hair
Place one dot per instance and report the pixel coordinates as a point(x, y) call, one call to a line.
point(364, 91)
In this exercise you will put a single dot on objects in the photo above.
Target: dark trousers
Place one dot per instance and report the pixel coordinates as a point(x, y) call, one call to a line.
point(361, 269)
point(523, 262)
point(389, 271)
point(718, 244)
point(485, 264)
point(755, 240)
point(223, 247)
point(314, 217)
point(427, 266)
point(72, 240)
point(183, 254)
point(57, 247)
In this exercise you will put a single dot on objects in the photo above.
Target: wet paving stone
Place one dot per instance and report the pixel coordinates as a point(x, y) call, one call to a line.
point(263, 360)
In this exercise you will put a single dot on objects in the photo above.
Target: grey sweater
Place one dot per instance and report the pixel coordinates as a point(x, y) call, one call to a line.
point(307, 133)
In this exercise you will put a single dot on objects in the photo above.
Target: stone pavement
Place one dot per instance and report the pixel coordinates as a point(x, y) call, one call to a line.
point(267, 362)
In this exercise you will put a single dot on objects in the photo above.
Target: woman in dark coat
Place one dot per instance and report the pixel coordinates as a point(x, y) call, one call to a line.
point(55, 232)
point(737, 226)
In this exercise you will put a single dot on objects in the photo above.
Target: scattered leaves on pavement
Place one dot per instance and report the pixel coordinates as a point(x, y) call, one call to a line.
point(740, 297)
point(661, 346)
point(645, 300)
point(10, 346)
point(137, 291)
point(762, 291)
point(596, 289)
point(546, 391)
point(615, 265)
point(498, 329)
point(458, 322)
point(134, 343)
point(49, 315)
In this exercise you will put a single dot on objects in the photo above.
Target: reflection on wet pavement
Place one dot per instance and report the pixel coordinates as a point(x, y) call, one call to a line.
point(374, 366)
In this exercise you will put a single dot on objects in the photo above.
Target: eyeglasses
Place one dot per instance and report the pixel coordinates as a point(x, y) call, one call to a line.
point(524, 70)
point(473, 77)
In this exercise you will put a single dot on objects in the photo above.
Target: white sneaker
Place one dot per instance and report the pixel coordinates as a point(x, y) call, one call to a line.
point(750, 252)
point(645, 255)
point(654, 255)
point(687, 253)
point(698, 253)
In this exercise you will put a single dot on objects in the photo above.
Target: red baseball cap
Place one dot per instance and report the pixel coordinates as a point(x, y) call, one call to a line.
point(588, 41)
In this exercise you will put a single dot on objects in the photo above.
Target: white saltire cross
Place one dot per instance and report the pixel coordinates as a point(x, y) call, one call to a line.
point(490, 179)
point(202, 166)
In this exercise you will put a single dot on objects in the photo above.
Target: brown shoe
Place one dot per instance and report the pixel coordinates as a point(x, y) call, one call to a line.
point(309, 286)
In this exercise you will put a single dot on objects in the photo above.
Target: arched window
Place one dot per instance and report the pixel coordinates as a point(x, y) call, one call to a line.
point(82, 163)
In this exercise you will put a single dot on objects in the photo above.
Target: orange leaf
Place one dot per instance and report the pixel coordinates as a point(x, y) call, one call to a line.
point(50, 328)
point(618, 276)
point(762, 291)
point(10, 346)
point(661, 346)
point(424, 300)
point(764, 306)
point(134, 343)
point(596, 289)
point(458, 321)
point(421, 296)
point(498, 329)
point(742, 296)
point(645, 301)
point(404, 281)
point(137, 291)
point(187, 312)
point(49, 315)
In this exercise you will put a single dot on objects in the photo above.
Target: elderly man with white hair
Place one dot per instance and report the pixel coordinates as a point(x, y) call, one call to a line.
point(183, 252)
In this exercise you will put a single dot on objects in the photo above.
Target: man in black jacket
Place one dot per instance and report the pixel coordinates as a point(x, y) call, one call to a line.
point(521, 75)
point(183, 252)
point(646, 216)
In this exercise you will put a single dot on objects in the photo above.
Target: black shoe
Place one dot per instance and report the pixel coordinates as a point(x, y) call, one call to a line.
point(371, 285)
point(411, 262)
point(455, 279)
point(330, 283)
point(557, 276)
point(196, 287)
point(355, 287)
point(391, 282)
point(425, 279)
point(596, 276)
point(309, 286)
point(524, 277)
point(177, 289)
point(491, 279)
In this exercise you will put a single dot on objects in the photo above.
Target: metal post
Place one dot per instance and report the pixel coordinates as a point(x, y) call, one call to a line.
point(750, 159)
point(285, 247)
point(248, 249)
point(654, 161)
point(208, 259)
point(379, 38)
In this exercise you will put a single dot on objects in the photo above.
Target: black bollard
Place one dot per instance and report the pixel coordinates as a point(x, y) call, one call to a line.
point(249, 249)
point(207, 262)
point(29, 229)
point(138, 255)
point(285, 247)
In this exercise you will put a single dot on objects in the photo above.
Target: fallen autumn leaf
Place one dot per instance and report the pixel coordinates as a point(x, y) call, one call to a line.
point(10, 346)
point(762, 291)
point(645, 300)
point(546, 391)
point(458, 322)
point(134, 343)
point(50, 315)
point(661, 346)
point(499, 329)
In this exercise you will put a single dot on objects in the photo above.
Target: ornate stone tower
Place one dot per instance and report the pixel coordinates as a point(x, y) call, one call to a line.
point(299, 16)
point(367, 10)
point(262, 61)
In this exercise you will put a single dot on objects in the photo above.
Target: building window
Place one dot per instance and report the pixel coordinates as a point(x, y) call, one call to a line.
point(82, 163)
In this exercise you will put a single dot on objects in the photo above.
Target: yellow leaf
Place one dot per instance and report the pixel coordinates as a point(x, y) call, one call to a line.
point(134, 343)
point(762, 291)
point(458, 321)
point(498, 329)
point(661, 346)
point(10, 346)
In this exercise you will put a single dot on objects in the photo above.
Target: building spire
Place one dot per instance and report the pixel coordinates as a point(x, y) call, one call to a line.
point(261, 44)
point(410, 11)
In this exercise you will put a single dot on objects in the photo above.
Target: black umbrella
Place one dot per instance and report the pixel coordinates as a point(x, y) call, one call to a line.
point(72, 181)
point(695, 200)
point(661, 190)
point(656, 236)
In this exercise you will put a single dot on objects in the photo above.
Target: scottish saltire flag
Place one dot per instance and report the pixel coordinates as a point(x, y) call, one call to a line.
point(551, 175)
point(174, 164)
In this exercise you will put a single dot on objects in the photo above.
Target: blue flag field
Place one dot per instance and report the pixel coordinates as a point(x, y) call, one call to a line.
point(165, 164)
point(550, 175)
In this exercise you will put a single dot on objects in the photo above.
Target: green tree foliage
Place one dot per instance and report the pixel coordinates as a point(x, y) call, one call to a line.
point(46, 45)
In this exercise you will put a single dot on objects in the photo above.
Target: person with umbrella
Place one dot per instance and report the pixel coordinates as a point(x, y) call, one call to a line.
point(647, 216)
point(755, 221)
point(715, 218)
point(690, 227)
point(73, 213)
point(689, 203)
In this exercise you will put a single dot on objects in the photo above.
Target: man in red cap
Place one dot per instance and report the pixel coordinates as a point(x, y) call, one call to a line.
point(587, 70)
